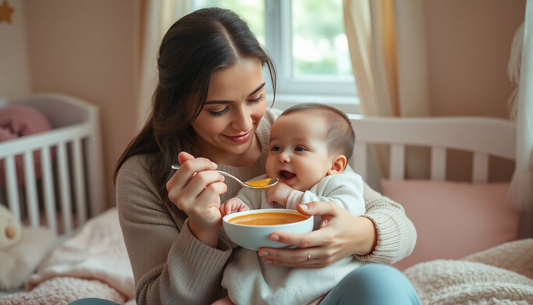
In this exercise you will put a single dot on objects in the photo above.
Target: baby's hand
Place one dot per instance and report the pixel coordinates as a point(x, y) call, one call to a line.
point(279, 193)
point(233, 205)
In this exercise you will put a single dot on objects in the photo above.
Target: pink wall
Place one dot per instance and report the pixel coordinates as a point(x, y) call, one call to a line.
point(14, 63)
point(469, 43)
point(88, 49)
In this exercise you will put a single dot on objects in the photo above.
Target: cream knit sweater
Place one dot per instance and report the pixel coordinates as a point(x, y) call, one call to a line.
point(171, 266)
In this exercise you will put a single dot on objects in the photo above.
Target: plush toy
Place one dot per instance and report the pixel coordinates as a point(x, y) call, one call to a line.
point(21, 249)
point(10, 228)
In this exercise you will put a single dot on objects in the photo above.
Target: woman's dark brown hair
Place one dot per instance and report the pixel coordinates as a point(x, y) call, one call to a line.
point(193, 48)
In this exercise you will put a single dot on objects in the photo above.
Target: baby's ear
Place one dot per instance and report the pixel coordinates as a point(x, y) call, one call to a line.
point(338, 165)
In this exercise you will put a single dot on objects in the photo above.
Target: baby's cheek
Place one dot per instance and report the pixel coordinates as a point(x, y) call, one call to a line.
point(270, 168)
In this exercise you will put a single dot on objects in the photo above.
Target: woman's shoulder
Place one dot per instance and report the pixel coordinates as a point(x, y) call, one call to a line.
point(263, 131)
point(135, 166)
point(272, 114)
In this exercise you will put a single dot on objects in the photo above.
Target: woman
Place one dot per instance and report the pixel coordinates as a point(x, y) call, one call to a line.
point(209, 111)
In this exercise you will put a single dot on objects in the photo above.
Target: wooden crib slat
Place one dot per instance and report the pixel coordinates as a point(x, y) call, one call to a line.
point(12, 190)
point(359, 154)
point(79, 175)
point(438, 163)
point(31, 189)
point(48, 189)
point(480, 170)
point(397, 161)
point(64, 185)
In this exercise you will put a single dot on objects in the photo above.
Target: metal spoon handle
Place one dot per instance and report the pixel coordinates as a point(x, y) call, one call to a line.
point(174, 166)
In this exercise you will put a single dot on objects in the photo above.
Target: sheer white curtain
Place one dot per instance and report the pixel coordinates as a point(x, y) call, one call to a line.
point(156, 18)
point(387, 43)
point(521, 189)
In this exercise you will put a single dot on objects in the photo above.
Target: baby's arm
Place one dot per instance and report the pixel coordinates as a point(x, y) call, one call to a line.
point(233, 205)
point(345, 190)
point(284, 195)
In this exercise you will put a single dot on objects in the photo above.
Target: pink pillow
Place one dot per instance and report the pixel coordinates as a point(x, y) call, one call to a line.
point(453, 219)
point(18, 121)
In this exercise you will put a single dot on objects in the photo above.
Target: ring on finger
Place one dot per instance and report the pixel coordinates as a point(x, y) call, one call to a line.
point(309, 256)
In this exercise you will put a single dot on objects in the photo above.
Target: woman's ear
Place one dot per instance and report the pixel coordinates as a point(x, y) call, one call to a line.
point(338, 166)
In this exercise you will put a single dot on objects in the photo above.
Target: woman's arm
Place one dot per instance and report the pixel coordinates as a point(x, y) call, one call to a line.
point(383, 235)
point(396, 234)
point(169, 264)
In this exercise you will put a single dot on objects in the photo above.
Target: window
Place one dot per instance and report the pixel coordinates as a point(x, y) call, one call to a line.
point(307, 42)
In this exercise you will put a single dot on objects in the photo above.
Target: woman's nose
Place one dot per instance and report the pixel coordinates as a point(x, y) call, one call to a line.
point(243, 121)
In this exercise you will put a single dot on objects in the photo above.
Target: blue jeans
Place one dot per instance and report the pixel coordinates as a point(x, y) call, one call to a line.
point(373, 284)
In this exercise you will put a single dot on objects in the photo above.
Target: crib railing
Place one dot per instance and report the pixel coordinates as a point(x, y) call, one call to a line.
point(70, 186)
point(483, 137)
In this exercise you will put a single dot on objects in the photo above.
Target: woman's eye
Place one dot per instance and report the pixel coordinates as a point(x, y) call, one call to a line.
point(219, 113)
point(257, 100)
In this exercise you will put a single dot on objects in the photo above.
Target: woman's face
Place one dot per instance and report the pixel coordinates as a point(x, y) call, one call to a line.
point(235, 104)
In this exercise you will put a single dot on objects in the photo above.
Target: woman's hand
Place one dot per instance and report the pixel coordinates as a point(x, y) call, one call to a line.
point(195, 189)
point(340, 235)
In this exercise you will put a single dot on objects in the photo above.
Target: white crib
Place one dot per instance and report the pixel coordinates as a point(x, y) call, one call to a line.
point(71, 187)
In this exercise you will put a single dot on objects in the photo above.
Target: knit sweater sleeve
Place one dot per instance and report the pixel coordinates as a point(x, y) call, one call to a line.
point(395, 232)
point(170, 265)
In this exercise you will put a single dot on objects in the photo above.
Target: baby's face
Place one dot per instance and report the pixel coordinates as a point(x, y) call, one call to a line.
point(298, 152)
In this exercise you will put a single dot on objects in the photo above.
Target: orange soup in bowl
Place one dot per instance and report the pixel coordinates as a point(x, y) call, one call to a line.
point(267, 219)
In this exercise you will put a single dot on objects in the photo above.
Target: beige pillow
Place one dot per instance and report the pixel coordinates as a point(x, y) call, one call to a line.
point(453, 219)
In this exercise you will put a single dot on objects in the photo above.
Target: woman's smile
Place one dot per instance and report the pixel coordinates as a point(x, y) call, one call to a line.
point(240, 138)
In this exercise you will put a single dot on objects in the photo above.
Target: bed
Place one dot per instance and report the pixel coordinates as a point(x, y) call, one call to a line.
point(92, 259)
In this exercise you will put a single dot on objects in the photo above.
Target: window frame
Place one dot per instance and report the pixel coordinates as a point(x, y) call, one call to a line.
point(337, 91)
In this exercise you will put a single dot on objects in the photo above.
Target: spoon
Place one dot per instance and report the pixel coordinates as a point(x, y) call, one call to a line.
point(258, 184)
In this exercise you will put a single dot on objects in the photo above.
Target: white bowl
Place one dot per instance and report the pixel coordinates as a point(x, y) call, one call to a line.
point(254, 237)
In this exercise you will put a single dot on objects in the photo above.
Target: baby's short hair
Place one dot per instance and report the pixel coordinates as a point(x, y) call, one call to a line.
point(340, 136)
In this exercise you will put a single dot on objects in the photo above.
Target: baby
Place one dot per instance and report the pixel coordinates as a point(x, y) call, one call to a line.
point(310, 145)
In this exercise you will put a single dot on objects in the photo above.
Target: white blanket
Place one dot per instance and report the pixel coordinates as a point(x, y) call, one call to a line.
point(500, 275)
point(92, 264)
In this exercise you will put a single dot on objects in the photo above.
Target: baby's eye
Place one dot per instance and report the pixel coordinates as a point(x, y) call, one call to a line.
point(300, 148)
point(275, 148)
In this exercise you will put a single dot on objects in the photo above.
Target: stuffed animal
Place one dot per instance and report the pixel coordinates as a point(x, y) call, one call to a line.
point(22, 249)
point(10, 228)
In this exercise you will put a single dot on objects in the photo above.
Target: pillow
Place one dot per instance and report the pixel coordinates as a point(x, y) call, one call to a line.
point(453, 219)
point(18, 121)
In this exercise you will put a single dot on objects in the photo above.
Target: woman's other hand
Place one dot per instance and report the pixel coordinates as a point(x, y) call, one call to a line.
point(195, 188)
point(340, 235)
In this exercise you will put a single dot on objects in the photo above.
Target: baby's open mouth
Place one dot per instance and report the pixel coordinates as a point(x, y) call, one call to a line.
point(285, 175)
